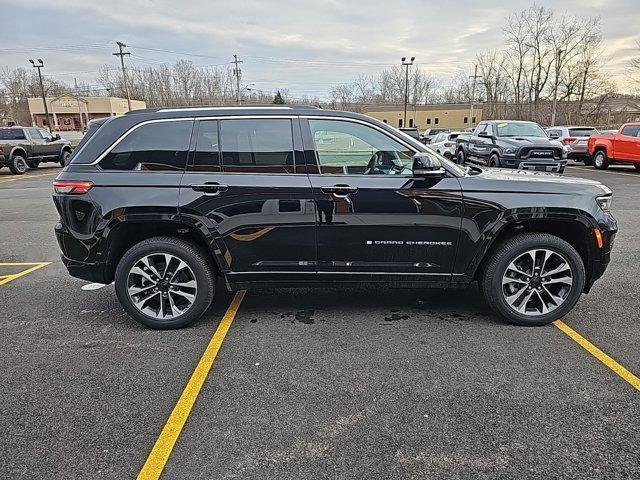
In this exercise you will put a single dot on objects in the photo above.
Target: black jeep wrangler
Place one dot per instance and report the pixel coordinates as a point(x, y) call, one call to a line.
point(163, 201)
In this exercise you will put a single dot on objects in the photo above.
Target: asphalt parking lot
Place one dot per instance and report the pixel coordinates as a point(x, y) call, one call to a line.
point(338, 383)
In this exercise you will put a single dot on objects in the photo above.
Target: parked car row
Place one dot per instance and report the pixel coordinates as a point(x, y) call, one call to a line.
point(22, 148)
point(526, 145)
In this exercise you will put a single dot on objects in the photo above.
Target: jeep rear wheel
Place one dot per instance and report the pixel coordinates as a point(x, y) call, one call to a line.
point(600, 160)
point(18, 165)
point(165, 282)
point(532, 279)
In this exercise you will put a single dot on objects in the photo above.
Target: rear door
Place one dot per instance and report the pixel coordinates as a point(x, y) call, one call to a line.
point(38, 143)
point(626, 144)
point(375, 221)
point(246, 186)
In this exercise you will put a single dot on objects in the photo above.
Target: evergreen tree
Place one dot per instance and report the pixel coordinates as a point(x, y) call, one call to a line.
point(278, 100)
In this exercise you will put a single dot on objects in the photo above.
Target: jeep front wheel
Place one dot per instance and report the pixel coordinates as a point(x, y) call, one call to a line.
point(532, 279)
point(494, 160)
point(18, 165)
point(165, 282)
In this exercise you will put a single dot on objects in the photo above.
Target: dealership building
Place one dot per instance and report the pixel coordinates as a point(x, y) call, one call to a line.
point(447, 115)
point(66, 111)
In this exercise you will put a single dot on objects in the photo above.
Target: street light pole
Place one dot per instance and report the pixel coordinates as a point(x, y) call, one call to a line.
point(40, 65)
point(555, 89)
point(406, 86)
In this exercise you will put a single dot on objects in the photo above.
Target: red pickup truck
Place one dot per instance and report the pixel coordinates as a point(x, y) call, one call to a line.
point(623, 147)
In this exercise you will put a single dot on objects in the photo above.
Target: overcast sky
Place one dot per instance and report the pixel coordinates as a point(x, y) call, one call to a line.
point(304, 45)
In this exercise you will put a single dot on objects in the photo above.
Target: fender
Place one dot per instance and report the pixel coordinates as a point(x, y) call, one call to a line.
point(515, 219)
point(19, 149)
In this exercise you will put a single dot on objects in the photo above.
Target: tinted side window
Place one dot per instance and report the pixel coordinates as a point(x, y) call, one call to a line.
point(159, 146)
point(206, 157)
point(257, 146)
point(34, 133)
point(630, 130)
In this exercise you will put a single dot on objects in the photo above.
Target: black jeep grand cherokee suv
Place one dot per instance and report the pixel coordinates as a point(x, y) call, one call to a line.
point(163, 201)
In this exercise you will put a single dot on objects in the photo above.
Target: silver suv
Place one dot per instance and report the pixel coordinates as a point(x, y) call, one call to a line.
point(575, 139)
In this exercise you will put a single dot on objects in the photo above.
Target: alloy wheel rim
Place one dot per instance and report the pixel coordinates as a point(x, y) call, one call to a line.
point(21, 165)
point(162, 286)
point(537, 282)
point(598, 160)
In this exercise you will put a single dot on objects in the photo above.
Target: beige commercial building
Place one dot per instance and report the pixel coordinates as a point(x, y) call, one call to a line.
point(66, 110)
point(447, 115)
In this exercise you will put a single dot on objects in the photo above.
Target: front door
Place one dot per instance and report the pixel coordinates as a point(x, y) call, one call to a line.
point(38, 143)
point(246, 185)
point(375, 221)
point(626, 144)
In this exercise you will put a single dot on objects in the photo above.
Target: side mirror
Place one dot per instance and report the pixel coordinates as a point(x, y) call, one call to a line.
point(485, 135)
point(56, 136)
point(425, 165)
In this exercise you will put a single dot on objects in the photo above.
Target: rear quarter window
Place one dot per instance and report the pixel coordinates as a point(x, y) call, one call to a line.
point(157, 146)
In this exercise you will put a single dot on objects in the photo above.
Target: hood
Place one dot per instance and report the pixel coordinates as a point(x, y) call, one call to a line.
point(508, 180)
point(522, 141)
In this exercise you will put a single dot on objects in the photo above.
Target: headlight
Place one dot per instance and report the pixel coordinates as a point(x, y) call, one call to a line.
point(509, 150)
point(604, 203)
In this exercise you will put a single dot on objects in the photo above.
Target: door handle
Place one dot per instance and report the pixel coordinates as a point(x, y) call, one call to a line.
point(339, 190)
point(211, 189)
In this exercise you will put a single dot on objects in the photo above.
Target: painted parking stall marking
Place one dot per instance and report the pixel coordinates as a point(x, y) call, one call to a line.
point(26, 268)
point(614, 366)
point(161, 450)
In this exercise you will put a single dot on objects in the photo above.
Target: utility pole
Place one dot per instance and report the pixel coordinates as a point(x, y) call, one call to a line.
point(120, 53)
point(75, 82)
point(406, 86)
point(555, 89)
point(473, 78)
point(40, 65)
point(237, 72)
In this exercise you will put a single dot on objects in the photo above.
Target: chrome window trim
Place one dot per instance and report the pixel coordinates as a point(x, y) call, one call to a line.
point(204, 109)
point(182, 119)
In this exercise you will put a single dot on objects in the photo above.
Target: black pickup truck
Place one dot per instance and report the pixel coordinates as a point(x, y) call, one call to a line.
point(512, 144)
point(26, 147)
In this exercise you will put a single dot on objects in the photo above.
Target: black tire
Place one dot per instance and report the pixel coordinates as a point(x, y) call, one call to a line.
point(461, 157)
point(494, 160)
point(600, 160)
point(186, 251)
point(18, 165)
point(500, 257)
point(588, 161)
point(64, 158)
point(33, 164)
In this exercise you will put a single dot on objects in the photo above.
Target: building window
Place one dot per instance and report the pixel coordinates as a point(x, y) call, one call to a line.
point(473, 120)
point(436, 120)
point(384, 120)
point(466, 120)
point(411, 122)
point(399, 123)
point(428, 121)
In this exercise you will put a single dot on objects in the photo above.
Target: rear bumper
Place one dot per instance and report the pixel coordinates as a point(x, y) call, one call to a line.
point(74, 257)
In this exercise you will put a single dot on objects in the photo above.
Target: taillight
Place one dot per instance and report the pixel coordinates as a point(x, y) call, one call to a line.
point(568, 140)
point(71, 187)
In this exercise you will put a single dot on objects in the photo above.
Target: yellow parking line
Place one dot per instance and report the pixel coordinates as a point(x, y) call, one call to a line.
point(10, 278)
point(599, 354)
point(27, 177)
point(160, 452)
point(605, 171)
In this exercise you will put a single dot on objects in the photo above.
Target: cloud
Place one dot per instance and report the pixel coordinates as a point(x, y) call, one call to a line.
point(333, 41)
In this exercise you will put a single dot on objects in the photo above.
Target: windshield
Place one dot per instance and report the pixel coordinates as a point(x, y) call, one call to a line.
point(520, 129)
